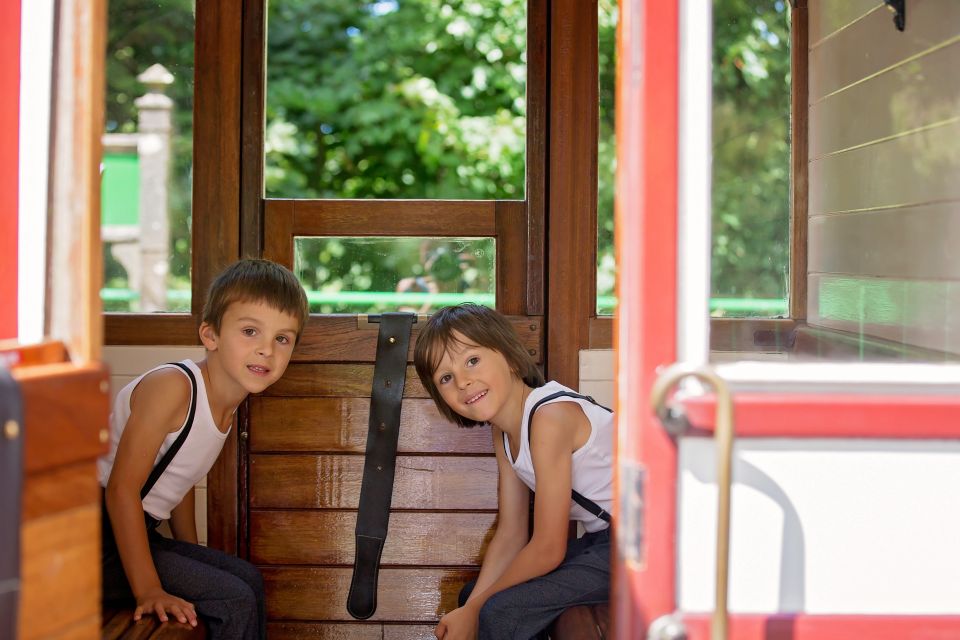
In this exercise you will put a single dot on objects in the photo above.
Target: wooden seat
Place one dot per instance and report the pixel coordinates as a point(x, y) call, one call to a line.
point(119, 624)
point(582, 623)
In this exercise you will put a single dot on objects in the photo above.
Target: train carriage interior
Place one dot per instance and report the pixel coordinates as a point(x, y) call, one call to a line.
point(797, 209)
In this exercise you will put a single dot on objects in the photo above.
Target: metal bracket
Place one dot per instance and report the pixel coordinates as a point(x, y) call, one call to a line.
point(632, 483)
point(673, 417)
point(723, 435)
point(899, 9)
point(367, 321)
point(668, 627)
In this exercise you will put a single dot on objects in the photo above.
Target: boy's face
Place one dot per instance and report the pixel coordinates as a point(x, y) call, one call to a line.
point(474, 381)
point(254, 343)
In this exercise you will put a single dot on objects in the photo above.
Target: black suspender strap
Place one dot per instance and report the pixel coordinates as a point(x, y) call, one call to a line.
point(376, 491)
point(11, 482)
point(175, 447)
point(579, 498)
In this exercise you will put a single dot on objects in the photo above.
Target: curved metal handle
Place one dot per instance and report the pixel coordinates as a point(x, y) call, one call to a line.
point(723, 435)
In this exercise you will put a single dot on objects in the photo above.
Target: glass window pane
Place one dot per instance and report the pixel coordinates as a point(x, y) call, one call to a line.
point(396, 99)
point(751, 158)
point(606, 156)
point(372, 275)
point(148, 156)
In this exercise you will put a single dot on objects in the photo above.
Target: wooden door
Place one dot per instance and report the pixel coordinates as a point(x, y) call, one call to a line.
point(302, 442)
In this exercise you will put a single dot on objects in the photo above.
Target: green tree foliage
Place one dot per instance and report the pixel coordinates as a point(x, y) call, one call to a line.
point(139, 35)
point(405, 99)
point(606, 148)
point(751, 148)
point(426, 99)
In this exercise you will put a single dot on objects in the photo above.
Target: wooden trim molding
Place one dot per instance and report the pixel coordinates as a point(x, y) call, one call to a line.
point(151, 329)
point(752, 334)
point(601, 332)
point(468, 218)
point(216, 205)
point(512, 264)
point(799, 145)
point(279, 231)
point(216, 142)
point(538, 38)
point(253, 109)
point(74, 262)
point(572, 225)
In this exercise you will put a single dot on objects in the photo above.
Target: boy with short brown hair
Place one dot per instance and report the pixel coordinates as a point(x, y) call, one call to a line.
point(167, 429)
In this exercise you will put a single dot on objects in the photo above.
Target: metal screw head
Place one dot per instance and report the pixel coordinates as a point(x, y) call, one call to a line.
point(244, 435)
point(379, 467)
point(11, 429)
point(104, 386)
point(104, 436)
point(532, 352)
point(391, 339)
point(383, 426)
point(386, 383)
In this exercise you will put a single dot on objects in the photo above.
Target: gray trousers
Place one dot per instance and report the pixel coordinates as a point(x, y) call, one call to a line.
point(525, 610)
point(226, 592)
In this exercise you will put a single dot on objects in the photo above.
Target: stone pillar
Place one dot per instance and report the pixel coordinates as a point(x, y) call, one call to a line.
point(153, 147)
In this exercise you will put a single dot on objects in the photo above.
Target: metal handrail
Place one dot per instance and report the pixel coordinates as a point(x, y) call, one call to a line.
point(723, 435)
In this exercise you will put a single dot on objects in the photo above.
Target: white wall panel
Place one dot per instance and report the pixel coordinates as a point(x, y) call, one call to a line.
point(825, 526)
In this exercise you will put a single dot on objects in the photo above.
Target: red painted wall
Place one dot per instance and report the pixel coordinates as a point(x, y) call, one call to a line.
point(9, 156)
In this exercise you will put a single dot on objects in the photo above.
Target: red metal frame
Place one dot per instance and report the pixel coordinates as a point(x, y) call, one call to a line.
point(9, 163)
point(645, 324)
point(645, 339)
point(807, 415)
point(804, 627)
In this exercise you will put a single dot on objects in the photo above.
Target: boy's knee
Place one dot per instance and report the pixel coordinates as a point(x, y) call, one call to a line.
point(251, 575)
point(497, 617)
point(238, 591)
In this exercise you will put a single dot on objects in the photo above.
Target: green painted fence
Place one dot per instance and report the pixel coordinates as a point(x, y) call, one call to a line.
point(365, 299)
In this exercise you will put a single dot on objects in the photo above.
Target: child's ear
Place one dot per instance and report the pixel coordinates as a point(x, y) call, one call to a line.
point(208, 336)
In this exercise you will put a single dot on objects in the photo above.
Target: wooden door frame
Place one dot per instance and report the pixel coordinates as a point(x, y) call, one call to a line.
point(267, 227)
point(572, 218)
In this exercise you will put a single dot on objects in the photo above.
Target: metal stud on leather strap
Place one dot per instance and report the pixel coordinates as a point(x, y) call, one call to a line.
point(379, 465)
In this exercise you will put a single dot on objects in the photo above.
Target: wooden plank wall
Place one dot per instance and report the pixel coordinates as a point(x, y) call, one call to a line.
point(307, 439)
point(306, 443)
point(884, 138)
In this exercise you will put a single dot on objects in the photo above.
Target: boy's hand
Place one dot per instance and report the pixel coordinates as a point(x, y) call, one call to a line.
point(158, 602)
point(459, 624)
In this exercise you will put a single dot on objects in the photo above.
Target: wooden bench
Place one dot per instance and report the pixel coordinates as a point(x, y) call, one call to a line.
point(119, 623)
point(582, 623)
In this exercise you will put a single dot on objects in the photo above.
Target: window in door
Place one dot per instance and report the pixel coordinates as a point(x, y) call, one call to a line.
point(751, 159)
point(422, 104)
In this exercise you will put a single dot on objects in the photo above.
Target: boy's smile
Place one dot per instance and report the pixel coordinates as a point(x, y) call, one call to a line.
point(476, 382)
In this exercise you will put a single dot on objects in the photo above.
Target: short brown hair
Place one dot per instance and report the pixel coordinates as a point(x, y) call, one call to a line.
point(253, 280)
point(484, 327)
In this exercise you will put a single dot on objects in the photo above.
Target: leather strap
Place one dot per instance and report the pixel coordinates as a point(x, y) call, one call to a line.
point(376, 491)
point(175, 447)
point(11, 483)
point(579, 498)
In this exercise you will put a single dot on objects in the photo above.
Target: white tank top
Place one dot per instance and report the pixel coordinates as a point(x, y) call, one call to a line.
point(592, 469)
point(189, 465)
